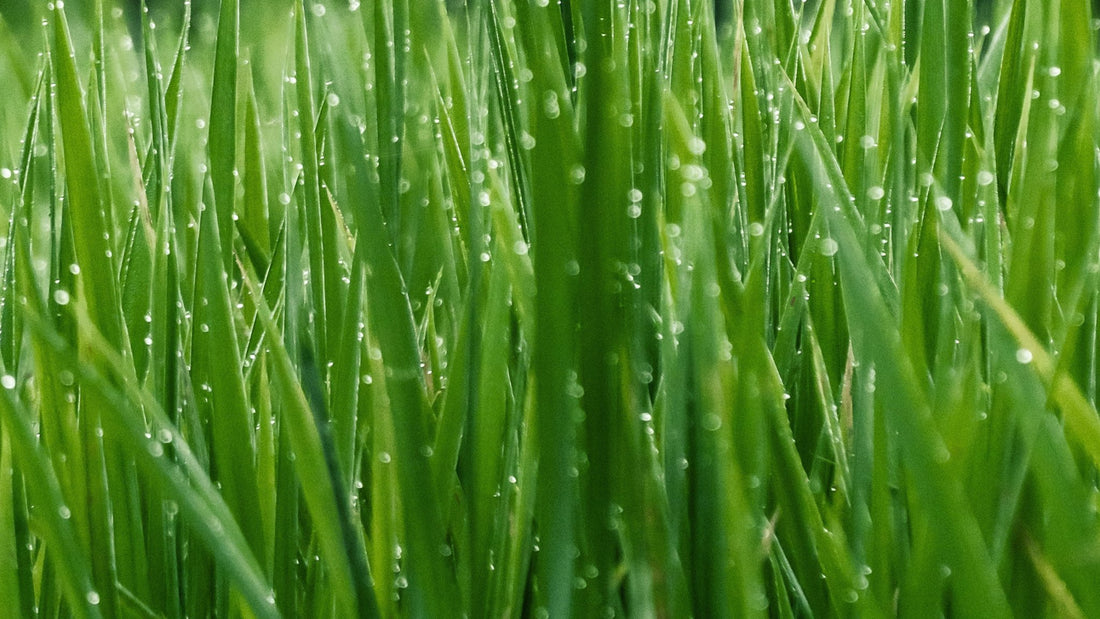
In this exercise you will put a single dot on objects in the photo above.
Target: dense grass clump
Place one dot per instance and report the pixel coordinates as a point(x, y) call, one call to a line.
point(550, 308)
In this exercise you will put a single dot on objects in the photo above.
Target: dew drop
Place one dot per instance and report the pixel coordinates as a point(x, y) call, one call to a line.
point(712, 422)
point(550, 106)
point(526, 140)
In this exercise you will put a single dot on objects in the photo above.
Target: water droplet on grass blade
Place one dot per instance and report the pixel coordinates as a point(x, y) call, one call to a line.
point(1024, 356)
point(550, 106)
point(526, 140)
point(829, 247)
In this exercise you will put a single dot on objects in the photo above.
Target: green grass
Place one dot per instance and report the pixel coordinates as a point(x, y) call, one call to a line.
point(522, 308)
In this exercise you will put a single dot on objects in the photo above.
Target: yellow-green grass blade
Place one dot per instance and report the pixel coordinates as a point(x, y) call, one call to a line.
point(222, 144)
point(1081, 420)
point(86, 205)
point(173, 92)
point(254, 224)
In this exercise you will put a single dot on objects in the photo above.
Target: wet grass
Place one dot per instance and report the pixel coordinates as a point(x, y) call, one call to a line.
point(510, 308)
